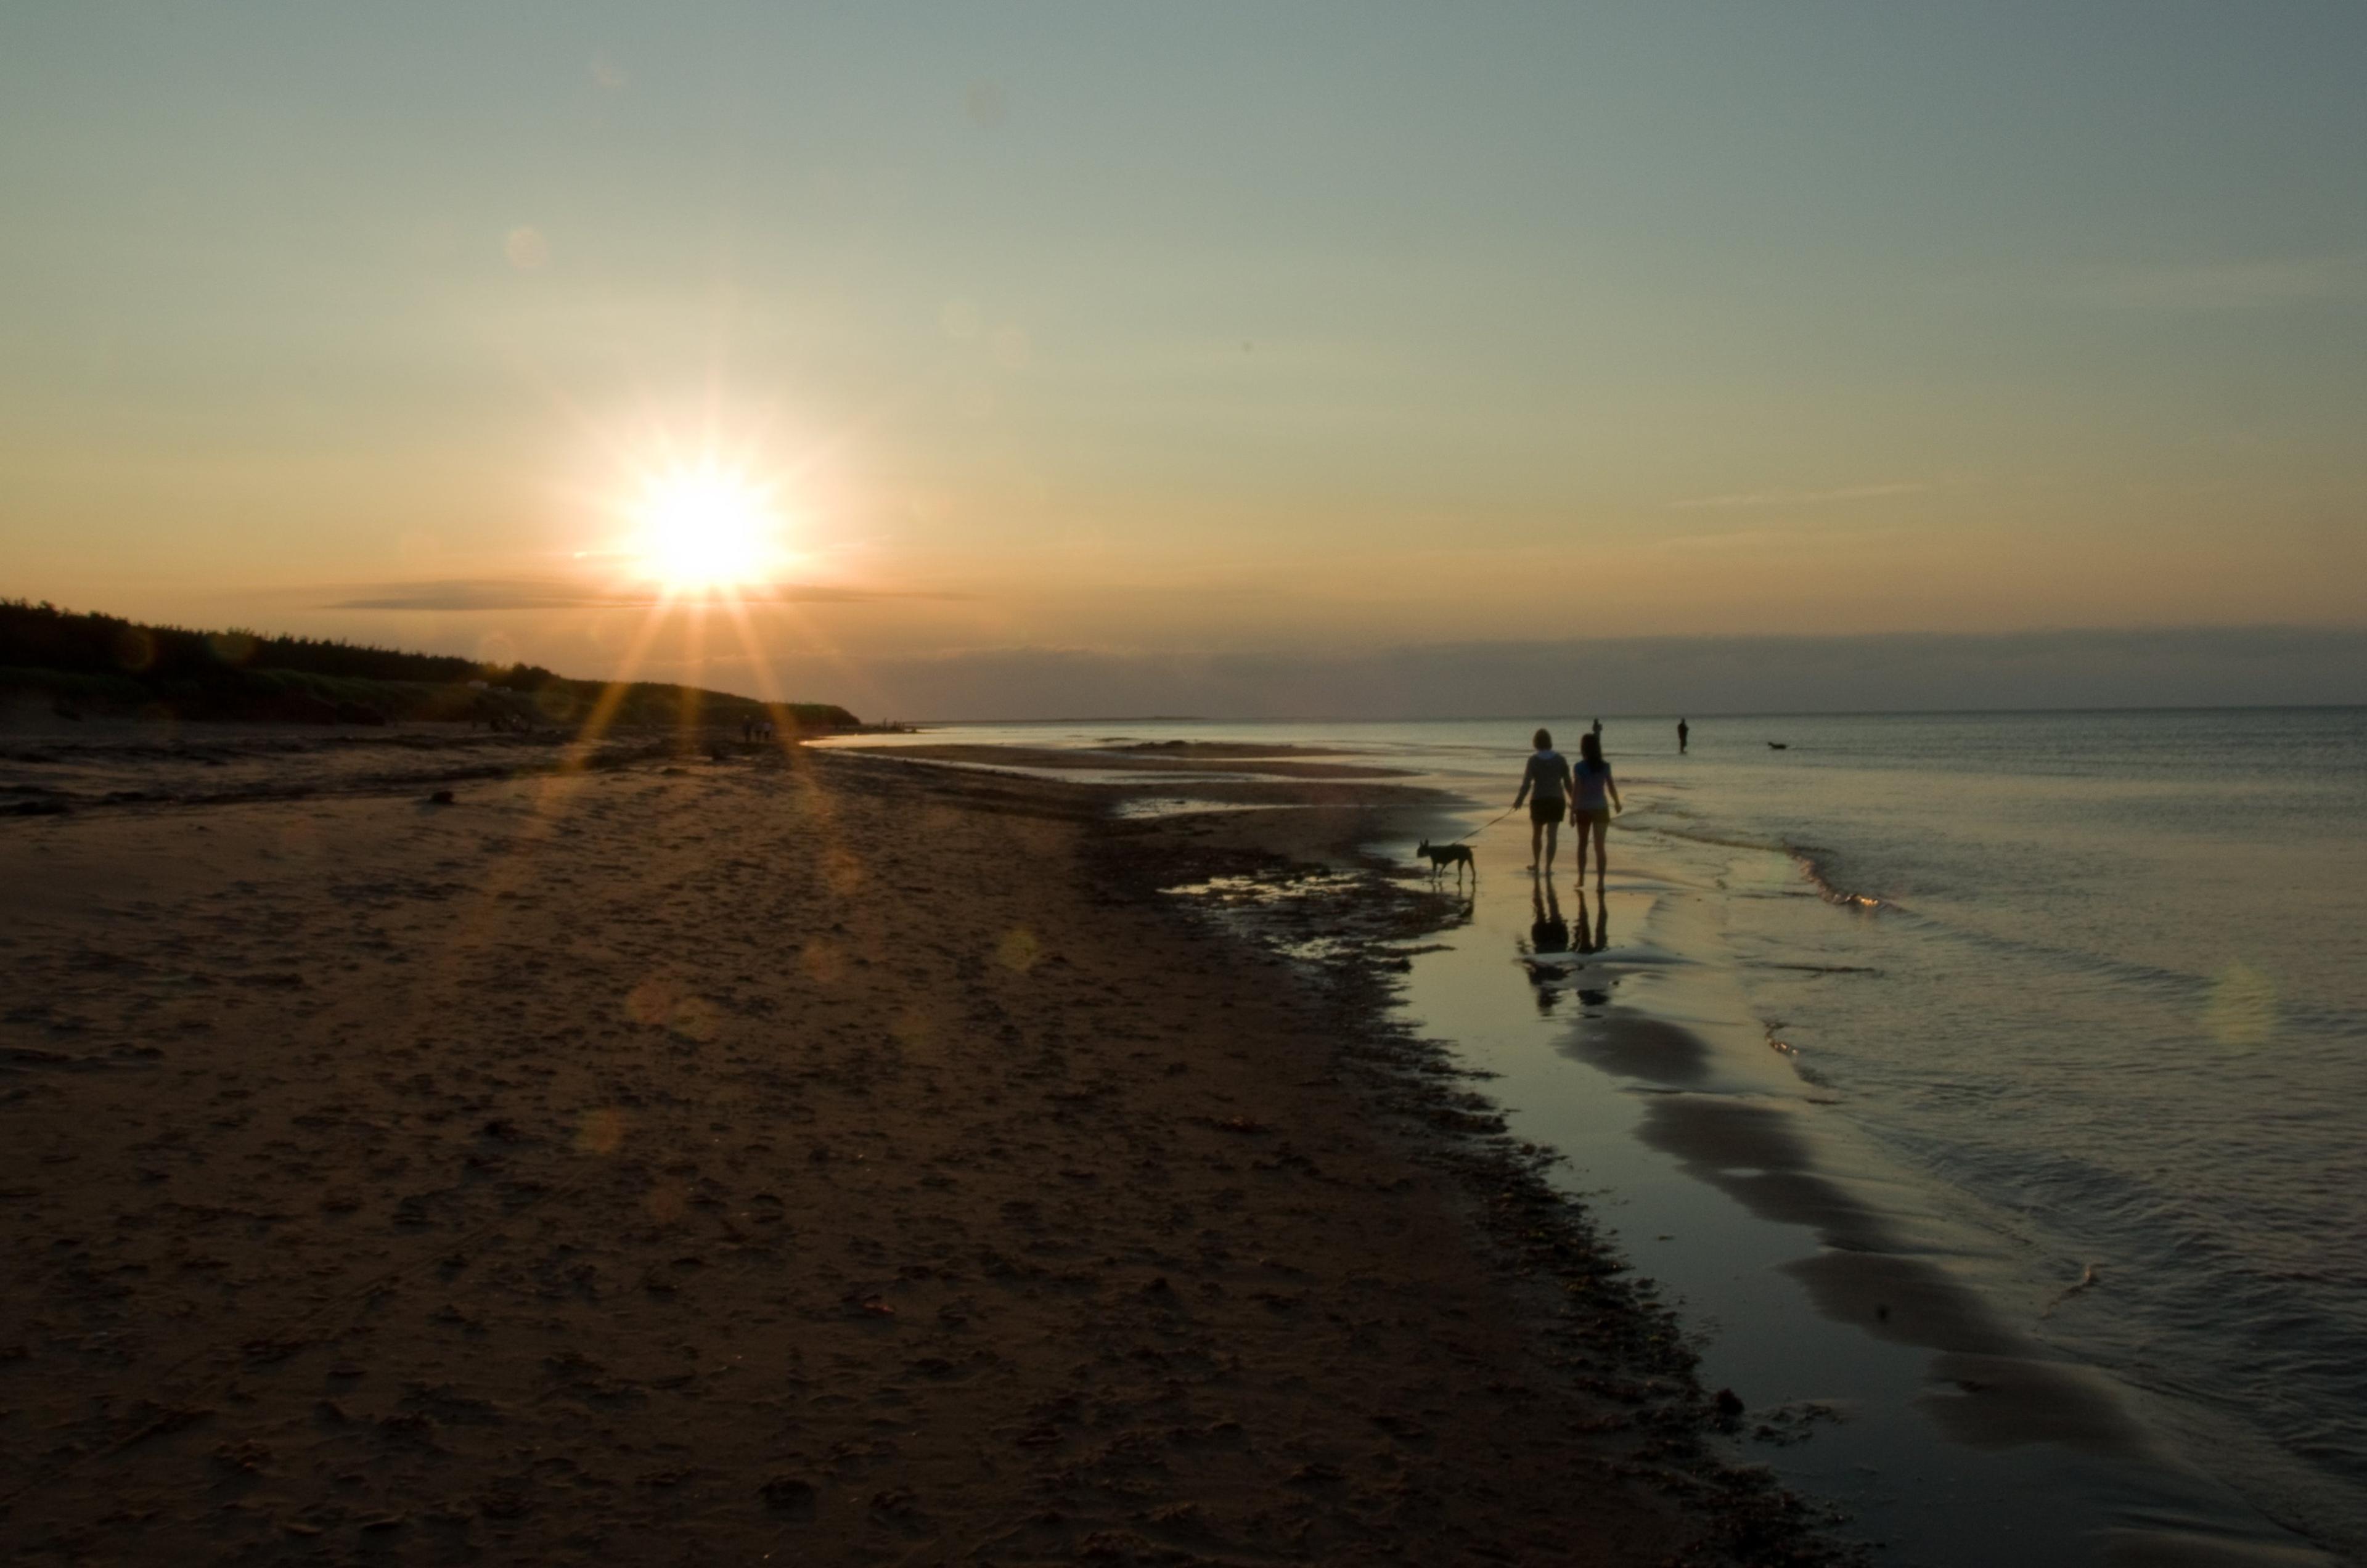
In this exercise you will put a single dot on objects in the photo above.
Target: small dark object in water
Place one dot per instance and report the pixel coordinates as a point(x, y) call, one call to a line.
point(1778, 746)
point(1729, 1404)
point(441, 798)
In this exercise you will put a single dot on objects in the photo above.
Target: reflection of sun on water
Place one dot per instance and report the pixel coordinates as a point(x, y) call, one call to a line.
point(707, 527)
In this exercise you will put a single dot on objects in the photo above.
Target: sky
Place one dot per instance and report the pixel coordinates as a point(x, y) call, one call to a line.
point(1081, 351)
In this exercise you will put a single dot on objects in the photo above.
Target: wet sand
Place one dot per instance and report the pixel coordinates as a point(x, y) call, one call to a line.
point(820, 1158)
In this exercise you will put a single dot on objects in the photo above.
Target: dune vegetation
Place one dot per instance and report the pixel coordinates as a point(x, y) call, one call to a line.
point(90, 663)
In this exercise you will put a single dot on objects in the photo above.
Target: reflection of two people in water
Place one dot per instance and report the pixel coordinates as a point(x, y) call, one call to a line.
point(1548, 933)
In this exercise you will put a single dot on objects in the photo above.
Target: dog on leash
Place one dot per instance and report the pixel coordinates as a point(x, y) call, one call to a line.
point(1444, 855)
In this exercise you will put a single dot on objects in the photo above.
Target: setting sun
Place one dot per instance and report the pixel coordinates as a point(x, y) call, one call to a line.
point(707, 527)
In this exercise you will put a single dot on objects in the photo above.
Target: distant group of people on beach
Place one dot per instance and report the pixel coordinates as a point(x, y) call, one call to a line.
point(754, 730)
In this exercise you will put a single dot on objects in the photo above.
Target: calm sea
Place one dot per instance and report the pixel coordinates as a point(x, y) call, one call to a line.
point(2097, 982)
point(2117, 998)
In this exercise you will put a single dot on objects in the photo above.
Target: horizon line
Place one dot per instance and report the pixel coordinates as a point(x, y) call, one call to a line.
point(1671, 713)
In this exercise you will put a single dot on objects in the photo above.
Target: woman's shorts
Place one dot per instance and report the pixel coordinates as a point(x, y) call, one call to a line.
point(1548, 809)
point(1598, 815)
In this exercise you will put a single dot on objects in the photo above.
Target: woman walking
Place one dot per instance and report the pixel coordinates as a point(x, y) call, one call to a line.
point(1590, 811)
point(1547, 775)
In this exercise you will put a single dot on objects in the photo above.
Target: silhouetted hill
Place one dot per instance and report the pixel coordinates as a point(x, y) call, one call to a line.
point(107, 663)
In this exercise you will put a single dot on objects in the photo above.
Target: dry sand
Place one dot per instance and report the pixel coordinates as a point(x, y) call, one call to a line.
point(836, 1162)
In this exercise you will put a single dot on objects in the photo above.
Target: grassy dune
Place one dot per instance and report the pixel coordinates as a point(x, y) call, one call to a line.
point(104, 664)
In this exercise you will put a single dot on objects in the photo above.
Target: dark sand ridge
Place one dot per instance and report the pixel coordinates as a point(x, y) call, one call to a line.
point(692, 1164)
point(2008, 1389)
point(1217, 748)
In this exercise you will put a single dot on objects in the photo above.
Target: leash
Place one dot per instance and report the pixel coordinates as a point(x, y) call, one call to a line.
point(1485, 826)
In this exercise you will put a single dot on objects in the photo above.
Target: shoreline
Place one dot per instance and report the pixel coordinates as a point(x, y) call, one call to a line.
point(1844, 1298)
point(1875, 1299)
point(536, 1176)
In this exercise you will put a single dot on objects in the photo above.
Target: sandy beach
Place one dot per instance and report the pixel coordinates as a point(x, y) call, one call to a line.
point(805, 1155)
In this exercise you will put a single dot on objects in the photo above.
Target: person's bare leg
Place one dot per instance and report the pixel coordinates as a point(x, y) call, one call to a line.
point(1552, 838)
point(1602, 856)
point(1585, 830)
point(1536, 837)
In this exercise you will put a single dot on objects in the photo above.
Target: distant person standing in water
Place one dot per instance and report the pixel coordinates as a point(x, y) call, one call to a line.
point(1597, 729)
point(1590, 811)
point(1684, 729)
point(1545, 784)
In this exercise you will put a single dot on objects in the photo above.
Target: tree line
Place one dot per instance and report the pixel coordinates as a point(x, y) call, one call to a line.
point(91, 659)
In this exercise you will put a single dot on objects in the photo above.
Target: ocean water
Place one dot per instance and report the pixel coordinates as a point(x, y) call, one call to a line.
point(2088, 991)
point(2113, 997)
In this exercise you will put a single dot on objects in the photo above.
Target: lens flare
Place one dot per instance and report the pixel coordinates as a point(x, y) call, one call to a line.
point(2241, 1011)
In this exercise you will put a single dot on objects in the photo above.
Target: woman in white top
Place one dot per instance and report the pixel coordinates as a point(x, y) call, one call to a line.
point(1547, 775)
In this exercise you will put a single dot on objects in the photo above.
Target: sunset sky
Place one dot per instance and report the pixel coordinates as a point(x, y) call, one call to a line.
point(1066, 338)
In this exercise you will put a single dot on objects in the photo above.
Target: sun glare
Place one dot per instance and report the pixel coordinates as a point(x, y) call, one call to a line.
point(707, 527)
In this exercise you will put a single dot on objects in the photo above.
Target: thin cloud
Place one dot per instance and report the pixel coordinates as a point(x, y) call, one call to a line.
point(2223, 286)
point(526, 594)
point(1796, 497)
